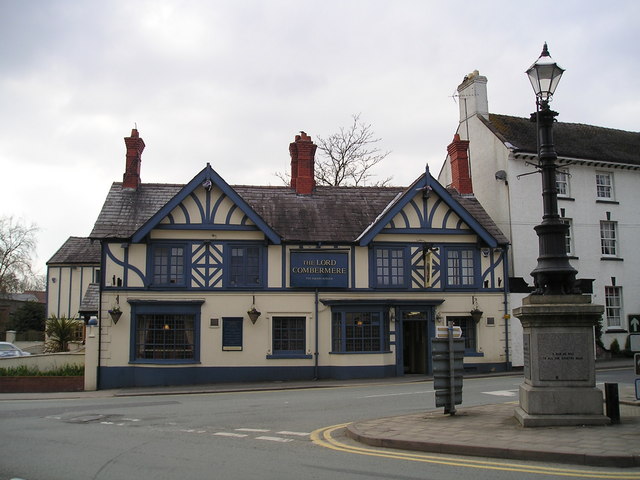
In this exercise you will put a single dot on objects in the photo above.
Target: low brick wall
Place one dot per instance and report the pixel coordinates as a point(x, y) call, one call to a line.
point(41, 384)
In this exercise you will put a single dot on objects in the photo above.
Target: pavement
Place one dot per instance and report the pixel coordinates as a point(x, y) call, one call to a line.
point(484, 431)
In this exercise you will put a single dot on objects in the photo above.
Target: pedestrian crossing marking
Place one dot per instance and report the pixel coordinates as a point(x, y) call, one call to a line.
point(503, 393)
point(275, 439)
point(231, 434)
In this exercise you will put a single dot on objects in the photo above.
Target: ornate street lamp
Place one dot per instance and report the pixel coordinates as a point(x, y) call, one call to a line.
point(553, 275)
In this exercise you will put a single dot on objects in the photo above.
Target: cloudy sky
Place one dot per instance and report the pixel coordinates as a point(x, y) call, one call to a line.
point(232, 82)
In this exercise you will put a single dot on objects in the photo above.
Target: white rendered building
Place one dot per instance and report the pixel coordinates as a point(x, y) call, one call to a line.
point(598, 191)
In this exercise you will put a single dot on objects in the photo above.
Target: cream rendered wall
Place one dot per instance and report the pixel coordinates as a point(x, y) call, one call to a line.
point(66, 285)
point(256, 337)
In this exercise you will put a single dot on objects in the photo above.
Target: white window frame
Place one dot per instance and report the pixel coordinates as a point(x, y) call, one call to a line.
point(568, 239)
point(562, 183)
point(609, 238)
point(613, 306)
point(604, 189)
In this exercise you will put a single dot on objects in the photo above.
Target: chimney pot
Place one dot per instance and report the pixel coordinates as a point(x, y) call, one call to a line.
point(460, 168)
point(135, 147)
point(302, 152)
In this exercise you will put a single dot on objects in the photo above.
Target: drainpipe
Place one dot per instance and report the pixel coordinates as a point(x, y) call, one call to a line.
point(100, 287)
point(315, 367)
point(506, 308)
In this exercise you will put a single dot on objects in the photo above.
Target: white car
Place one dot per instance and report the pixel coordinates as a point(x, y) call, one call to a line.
point(10, 350)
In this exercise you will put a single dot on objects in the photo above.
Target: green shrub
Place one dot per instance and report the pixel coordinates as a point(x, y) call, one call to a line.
point(615, 347)
point(24, 371)
point(60, 331)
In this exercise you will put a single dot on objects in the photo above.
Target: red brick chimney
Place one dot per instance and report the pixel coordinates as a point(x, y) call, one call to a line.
point(460, 171)
point(135, 147)
point(302, 152)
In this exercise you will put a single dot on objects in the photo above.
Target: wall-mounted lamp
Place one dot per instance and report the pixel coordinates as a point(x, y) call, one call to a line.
point(93, 322)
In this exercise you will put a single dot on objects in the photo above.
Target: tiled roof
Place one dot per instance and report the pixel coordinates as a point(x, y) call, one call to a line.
point(125, 210)
point(77, 250)
point(472, 205)
point(330, 214)
point(91, 299)
point(572, 140)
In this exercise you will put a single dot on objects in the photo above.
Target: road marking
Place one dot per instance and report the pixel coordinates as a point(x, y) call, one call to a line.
point(323, 437)
point(397, 394)
point(276, 439)
point(256, 430)
point(300, 434)
point(230, 434)
point(503, 393)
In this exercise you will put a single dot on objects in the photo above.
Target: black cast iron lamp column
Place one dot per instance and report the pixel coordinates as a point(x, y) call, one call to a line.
point(553, 275)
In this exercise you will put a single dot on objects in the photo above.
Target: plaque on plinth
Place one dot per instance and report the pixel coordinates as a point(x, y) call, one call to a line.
point(559, 362)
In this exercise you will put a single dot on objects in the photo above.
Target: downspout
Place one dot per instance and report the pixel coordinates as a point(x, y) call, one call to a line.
point(100, 286)
point(315, 367)
point(506, 315)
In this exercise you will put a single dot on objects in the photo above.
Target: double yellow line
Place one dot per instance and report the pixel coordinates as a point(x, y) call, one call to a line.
point(324, 438)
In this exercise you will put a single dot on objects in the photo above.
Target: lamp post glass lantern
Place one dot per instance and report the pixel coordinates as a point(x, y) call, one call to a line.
point(553, 275)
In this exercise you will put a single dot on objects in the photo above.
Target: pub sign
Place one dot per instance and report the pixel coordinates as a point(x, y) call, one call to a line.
point(319, 269)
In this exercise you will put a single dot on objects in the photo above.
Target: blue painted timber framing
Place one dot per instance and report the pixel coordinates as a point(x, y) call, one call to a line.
point(424, 183)
point(210, 174)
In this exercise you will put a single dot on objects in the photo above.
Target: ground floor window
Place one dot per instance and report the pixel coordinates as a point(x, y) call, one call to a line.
point(360, 331)
point(232, 333)
point(165, 332)
point(289, 335)
point(469, 332)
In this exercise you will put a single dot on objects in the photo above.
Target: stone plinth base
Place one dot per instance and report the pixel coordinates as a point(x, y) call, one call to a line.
point(566, 420)
point(554, 407)
point(559, 362)
point(561, 400)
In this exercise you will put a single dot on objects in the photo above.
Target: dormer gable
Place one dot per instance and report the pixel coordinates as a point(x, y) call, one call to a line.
point(206, 202)
point(427, 207)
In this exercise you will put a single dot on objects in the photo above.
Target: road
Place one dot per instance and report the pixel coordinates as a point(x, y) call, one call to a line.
point(241, 435)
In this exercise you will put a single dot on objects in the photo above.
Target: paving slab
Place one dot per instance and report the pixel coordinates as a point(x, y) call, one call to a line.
point(493, 431)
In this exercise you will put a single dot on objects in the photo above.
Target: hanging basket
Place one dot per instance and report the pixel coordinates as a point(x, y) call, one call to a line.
point(476, 315)
point(115, 316)
point(253, 315)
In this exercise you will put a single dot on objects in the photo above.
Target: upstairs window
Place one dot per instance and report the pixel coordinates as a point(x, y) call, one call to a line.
point(613, 306)
point(245, 262)
point(568, 238)
point(461, 268)
point(390, 267)
point(562, 183)
point(604, 186)
point(168, 265)
point(608, 239)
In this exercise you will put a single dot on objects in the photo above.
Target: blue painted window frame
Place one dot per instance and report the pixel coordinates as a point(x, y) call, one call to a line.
point(459, 274)
point(359, 330)
point(238, 268)
point(289, 337)
point(232, 333)
point(173, 313)
point(176, 264)
point(470, 334)
point(390, 267)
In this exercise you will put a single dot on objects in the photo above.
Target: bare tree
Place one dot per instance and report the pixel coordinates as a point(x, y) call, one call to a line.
point(17, 247)
point(346, 158)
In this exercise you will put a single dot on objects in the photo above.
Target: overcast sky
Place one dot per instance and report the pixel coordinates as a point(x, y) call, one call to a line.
point(232, 82)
